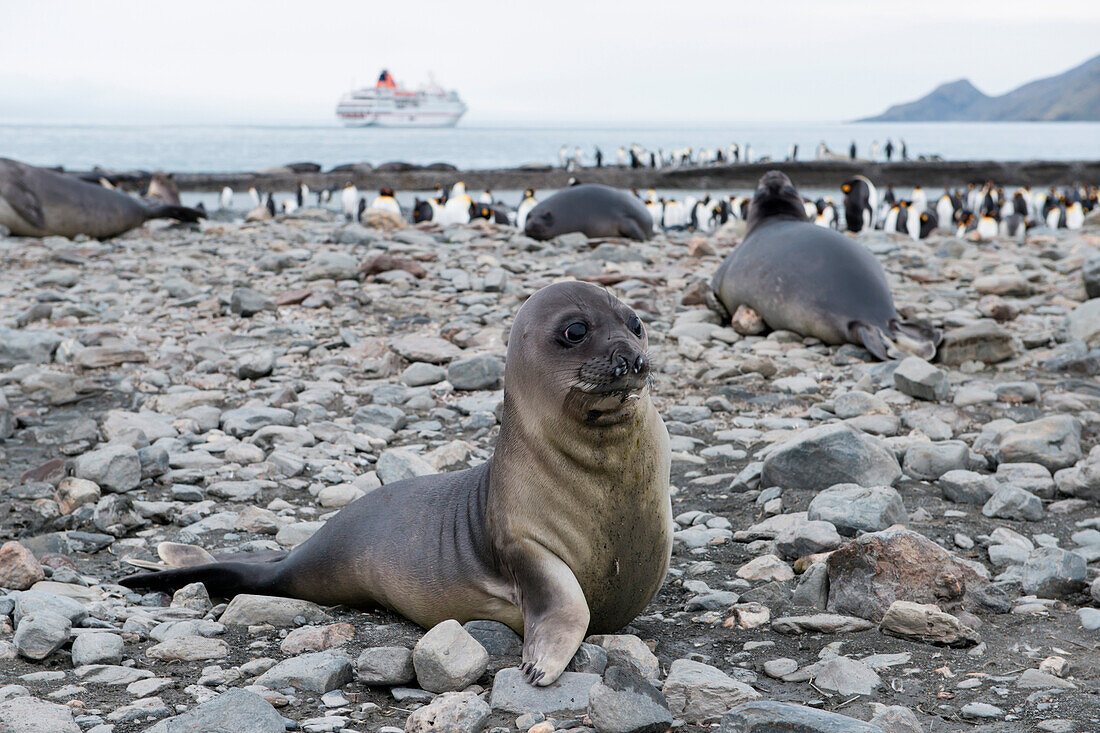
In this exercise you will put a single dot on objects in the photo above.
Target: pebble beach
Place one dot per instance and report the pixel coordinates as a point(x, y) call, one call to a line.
point(860, 546)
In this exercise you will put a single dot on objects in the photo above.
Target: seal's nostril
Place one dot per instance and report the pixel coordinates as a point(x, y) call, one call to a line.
point(640, 363)
point(621, 365)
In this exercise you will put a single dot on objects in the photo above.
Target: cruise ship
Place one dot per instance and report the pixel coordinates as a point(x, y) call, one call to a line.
point(388, 105)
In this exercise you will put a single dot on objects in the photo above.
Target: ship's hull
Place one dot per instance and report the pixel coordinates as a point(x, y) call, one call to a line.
point(405, 119)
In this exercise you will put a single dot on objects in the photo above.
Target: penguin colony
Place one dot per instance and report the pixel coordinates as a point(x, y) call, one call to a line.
point(980, 211)
point(638, 156)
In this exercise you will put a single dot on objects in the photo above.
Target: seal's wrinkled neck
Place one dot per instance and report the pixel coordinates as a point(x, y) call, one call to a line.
point(585, 440)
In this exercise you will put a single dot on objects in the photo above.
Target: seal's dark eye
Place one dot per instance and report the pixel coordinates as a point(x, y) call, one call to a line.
point(635, 325)
point(575, 332)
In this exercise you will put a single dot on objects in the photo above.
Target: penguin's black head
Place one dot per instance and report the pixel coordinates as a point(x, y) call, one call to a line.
point(775, 196)
point(386, 192)
point(422, 211)
point(928, 223)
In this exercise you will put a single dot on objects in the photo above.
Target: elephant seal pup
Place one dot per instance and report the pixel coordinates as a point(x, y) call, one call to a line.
point(564, 532)
point(592, 209)
point(36, 202)
point(813, 281)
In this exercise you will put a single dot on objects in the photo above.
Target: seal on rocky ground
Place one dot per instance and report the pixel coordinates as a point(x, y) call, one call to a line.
point(37, 202)
point(813, 281)
point(565, 531)
point(594, 210)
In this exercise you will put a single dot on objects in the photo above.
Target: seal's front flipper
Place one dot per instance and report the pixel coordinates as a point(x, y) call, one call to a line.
point(555, 614)
point(715, 303)
point(631, 230)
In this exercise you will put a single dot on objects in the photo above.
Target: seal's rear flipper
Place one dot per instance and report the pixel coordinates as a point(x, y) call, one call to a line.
point(180, 213)
point(222, 579)
point(873, 340)
point(905, 338)
point(915, 339)
point(714, 303)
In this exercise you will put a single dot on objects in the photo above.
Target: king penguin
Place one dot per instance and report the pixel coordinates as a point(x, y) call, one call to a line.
point(349, 201)
point(529, 202)
point(385, 200)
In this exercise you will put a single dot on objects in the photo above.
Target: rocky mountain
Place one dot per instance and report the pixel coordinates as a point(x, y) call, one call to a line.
point(1071, 95)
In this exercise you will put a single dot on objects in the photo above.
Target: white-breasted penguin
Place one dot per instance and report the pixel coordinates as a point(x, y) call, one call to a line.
point(386, 201)
point(457, 208)
point(988, 227)
point(945, 207)
point(1075, 215)
point(529, 202)
point(349, 201)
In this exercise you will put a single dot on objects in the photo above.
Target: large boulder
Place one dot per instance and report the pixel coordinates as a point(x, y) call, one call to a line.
point(869, 573)
point(1052, 572)
point(7, 418)
point(770, 716)
point(1083, 323)
point(18, 346)
point(317, 672)
point(698, 692)
point(448, 658)
point(927, 623)
point(252, 610)
point(1053, 442)
point(234, 711)
point(451, 712)
point(568, 694)
point(625, 702)
point(853, 509)
point(19, 568)
point(115, 467)
point(983, 341)
point(26, 714)
point(828, 455)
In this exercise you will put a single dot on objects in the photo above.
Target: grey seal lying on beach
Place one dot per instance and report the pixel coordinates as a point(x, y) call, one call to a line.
point(812, 280)
point(36, 202)
point(564, 532)
point(592, 209)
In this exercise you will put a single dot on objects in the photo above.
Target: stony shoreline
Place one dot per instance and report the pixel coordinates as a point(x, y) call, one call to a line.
point(808, 174)
point(230, 385)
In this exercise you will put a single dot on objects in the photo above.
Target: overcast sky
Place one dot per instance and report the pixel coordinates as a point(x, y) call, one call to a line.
point(565, 60)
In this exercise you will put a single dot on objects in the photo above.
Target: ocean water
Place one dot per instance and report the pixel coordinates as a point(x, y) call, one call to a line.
point(235, 148)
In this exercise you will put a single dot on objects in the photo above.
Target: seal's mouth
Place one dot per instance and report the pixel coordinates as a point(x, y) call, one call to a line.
point(611, 381)
point(625, 387)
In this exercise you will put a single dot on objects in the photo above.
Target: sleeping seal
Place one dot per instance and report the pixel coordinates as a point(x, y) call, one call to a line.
point(565, 531)
point(594, 210)
point(36, 202)
point(812, 280)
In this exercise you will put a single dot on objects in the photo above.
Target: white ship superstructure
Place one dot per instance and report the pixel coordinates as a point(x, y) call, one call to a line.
point(388, 105)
